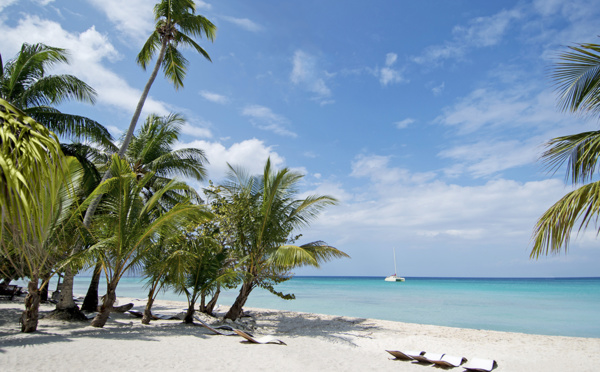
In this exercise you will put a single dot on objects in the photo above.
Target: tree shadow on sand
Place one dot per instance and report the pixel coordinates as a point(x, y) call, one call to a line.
point(119, 327)
point(334, 329)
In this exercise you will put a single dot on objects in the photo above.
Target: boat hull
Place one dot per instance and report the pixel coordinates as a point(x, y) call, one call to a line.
point(393, 278)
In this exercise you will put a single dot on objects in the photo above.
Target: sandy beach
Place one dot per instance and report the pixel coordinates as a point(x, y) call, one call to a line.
point(314, 342)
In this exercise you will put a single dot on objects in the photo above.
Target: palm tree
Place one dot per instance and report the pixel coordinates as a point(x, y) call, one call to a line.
point(266, 213)
point(151, 150)
point(24, 83)
point(578, 81)
point(130, 225)
point(176, 25)
point(37, 190)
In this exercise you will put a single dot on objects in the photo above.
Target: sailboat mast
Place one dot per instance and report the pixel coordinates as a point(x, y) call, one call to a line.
point(395, 270)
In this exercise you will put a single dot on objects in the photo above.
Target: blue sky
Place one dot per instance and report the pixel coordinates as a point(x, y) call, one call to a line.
point(424, 118)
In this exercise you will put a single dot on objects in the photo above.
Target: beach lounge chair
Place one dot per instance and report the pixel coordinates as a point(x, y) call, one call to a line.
point(405, 355)
point(259, 340)
point(448, 361)
point(480, 365)
point(220, 330)
point(428, 357)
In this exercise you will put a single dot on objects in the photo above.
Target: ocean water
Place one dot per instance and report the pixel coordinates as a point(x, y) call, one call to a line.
point(557, 306)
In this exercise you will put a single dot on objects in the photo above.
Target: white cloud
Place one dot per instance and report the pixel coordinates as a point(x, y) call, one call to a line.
point(485, 158)
point(306, 73)
point(7, 3)
point(203, 5)
point(120, 13)
point(388, 75)
point(264, 118)
point(404, 123)
point(249, 154)
point(214, 97)
point(479, 32)
point(437, 90)
point(244, 23)
point(88, 51)
point(430, 215)
point(195, 131)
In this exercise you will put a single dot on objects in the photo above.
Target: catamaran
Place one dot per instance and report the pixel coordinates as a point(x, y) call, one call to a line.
point(394, 278)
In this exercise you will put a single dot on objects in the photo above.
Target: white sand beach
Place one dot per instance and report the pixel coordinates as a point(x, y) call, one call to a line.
point(314, 343)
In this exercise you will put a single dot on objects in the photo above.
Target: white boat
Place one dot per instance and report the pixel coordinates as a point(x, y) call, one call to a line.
point(394, 278)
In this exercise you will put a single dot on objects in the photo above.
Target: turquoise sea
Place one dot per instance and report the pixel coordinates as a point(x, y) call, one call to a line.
point(557, 306)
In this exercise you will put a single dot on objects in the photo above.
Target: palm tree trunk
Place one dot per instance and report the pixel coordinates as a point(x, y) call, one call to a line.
point(107, 305)
point(210, 307)
point(65, 302)
point(140, 105)
point(44, 288)
point(91, 210)
point(148, 309)
point(29, 319)
point(189, 315)
point(90, 303)
point(235, 311)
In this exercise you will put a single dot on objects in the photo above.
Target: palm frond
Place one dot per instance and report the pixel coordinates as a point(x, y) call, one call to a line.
point(577, 79)
point(553, 229)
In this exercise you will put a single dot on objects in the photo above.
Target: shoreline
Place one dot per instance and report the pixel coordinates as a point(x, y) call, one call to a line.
point(314, 342)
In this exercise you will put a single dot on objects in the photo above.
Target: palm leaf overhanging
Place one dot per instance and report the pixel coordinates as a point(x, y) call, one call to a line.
point(25, 83)
point(577, 78)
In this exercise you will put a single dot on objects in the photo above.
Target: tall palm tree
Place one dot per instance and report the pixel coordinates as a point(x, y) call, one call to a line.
point(151, 150)
point(577, 76)
point(266, 213)
point(37, 191)
point(131, 225)
point(24, 83)
point(176, 25)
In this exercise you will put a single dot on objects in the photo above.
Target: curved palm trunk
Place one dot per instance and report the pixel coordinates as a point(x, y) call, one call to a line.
point(189, 315)
point(90, 303)
point(91, 210)
point(235, 311)
point(148, 310)
point(210, 307)
point(29, 318)
point(107, 306)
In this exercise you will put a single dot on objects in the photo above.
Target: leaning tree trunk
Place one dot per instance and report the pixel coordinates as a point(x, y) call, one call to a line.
point(235, 311)
point(44, 288)
point(148, 309)
point(29, 318)
point(107, 305)
point(189, 315)
point(90, 303)
point(91, 210)
point(209, 308)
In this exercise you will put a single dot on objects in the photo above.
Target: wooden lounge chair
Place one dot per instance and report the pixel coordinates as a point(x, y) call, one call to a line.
point(480, 365)
point(448, 361)
point(228, 331)
point(259, 340)
point(405, 355)
point(428, 357)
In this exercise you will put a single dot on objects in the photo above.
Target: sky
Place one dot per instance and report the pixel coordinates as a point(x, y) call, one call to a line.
point(425, 119)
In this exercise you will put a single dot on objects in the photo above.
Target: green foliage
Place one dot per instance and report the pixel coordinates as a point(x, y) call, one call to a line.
point(176, 25)
point(151, 150)
point(260, 214)
point(578, 80)
point(24, 82)
point(129, 226)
